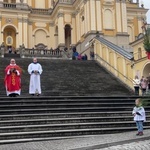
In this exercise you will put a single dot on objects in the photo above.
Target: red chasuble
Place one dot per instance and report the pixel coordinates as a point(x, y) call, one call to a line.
point(12, 79)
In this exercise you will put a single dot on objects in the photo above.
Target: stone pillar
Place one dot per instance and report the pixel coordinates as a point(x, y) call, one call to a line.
point(17, 40)
point(88, 14)
point(25, 1)
point(1, 3)
point(118, 16)
point(98, 15)
point(124, 16)
point(93, 15)
point(25, 32)
point(30, 3)
point(78, 26)
point(20, 31)
point(140, 24)
point(73, 31)
point(52, 35)
point(61, 32)
point(30, 35)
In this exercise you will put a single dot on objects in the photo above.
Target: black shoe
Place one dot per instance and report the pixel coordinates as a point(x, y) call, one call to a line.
point(138, 134)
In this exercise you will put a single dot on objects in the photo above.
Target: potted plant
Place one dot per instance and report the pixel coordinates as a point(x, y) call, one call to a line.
point(146, 41)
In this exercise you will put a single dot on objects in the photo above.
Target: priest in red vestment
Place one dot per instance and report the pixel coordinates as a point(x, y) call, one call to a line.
point(13, 79)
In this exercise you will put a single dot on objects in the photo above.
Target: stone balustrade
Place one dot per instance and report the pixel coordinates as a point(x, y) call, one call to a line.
point(41, 11)
point(9, 5)
point(41, 53)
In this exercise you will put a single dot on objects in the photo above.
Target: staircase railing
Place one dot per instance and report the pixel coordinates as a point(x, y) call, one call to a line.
point(115, 59)
point(106, 65)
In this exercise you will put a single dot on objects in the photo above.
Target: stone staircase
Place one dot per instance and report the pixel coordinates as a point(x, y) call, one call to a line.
point(27, 119)
point(66, 77)
point(79, 99)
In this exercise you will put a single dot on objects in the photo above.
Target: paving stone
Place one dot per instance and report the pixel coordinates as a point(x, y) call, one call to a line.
point(83, 143)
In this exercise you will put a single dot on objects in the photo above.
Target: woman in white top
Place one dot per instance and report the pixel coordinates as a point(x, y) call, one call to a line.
point(136, 84)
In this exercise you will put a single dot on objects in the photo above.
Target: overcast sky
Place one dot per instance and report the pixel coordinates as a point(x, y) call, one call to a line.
point(147, 5)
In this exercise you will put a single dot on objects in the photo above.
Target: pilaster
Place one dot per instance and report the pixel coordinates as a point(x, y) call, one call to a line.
point(92, 15)
point(61, 32)
point(25, 32)
point(118, 16)
point(88, 14)
point(124, 17)
point(98, 15)
point(20, 42)
point(73, 31)
point(30, 42)
point(52, 34)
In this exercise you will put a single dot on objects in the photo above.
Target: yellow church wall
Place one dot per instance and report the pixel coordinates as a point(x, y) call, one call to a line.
point(67, 19)
point(132, 5)
point(109, 32)
point(139, 67)
point(138, 49)
point(114, 62)
point(46, 4)
point(33, 3)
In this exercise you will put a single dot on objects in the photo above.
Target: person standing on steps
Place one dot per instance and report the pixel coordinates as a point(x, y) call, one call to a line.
point(148, 78)
point(143, 84)
point(35, 71)
point(136, 84)
point(139, 116)
point(13, 79)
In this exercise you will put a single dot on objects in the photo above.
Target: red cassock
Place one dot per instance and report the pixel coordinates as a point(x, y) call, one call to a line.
point(12, 79)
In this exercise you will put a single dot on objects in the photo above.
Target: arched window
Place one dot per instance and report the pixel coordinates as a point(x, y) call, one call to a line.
point(139, 53)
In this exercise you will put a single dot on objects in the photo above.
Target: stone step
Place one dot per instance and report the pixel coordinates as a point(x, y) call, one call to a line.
point(66, 126)
point(59, 133)
point(72, 105)
point(121, 114)
point(62, 110)
point(65, 120)
point(11, 141)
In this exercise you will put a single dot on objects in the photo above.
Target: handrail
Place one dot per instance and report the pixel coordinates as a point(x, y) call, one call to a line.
point(116, 48)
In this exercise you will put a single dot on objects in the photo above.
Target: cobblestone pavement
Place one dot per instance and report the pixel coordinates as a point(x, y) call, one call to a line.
point(121, 141)
point(142, 145)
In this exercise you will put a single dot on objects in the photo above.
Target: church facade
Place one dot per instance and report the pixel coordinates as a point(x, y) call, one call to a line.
point(65, 23)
